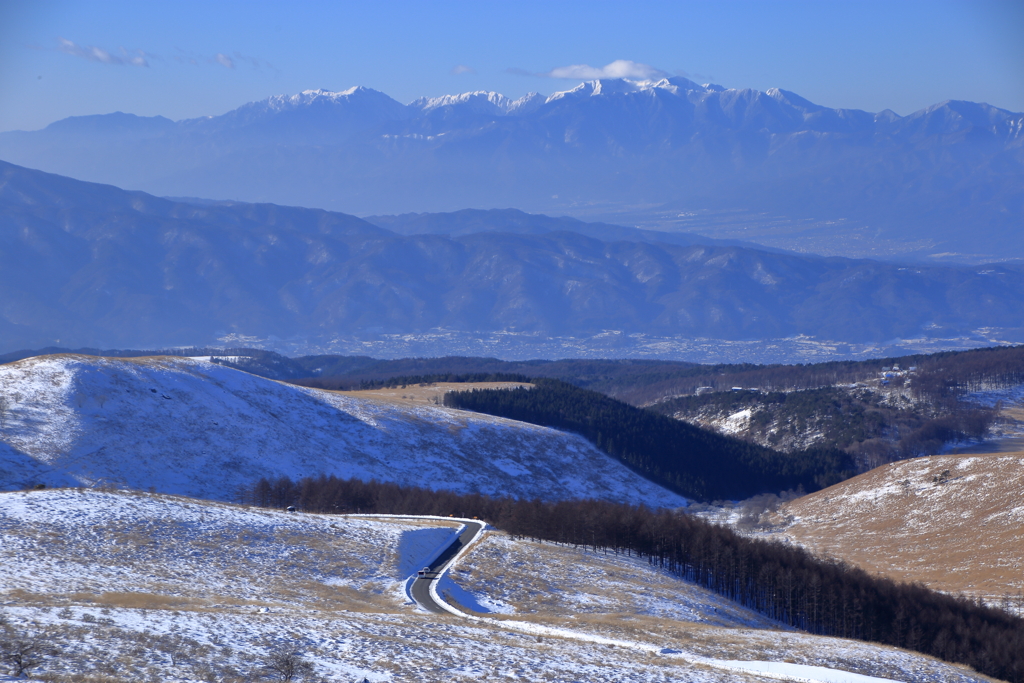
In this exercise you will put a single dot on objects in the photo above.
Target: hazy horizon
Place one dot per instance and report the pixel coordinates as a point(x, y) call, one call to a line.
point(186, 60)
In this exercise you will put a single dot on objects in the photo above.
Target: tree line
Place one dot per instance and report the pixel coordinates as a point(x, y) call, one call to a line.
point(782, 582)
point(694, 462)
point(943, 375)
point(414, 380)
point(953, 374)
point(638, 382)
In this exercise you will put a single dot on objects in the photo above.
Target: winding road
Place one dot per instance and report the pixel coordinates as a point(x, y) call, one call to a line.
point(420, 590)
point(421, 593)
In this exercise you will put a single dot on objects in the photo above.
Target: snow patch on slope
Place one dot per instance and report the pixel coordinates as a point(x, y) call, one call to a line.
point(736, 422)
point(418, 547)
point(1001, 394)
point(803, 672)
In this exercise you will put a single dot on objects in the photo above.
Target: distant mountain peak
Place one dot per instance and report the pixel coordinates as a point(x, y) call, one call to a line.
point(597, 87)
point(791, 98)
point(481, 101)
point(677, 85)
point(307, 97)
point(336, 113)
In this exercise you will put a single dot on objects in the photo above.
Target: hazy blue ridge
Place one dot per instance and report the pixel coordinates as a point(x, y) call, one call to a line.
point(90, 265)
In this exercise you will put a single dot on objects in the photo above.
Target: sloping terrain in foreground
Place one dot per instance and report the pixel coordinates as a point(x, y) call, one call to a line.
point(137, 586)
point(196, 428)
point(953, 522)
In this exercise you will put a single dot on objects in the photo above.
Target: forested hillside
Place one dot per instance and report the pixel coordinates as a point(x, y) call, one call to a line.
point(151, 271)
point(694, 462)
point(876, 411)
point(874, 427)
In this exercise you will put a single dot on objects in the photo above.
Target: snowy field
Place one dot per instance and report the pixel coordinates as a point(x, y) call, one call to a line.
point(134, 586)
point(195, 428)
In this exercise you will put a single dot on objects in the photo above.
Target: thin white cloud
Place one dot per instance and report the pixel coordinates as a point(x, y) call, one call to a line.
point(185, 57)
point(620, 68)
point(462, 69)
point(97, 54)
point(251, 61)
point(228, 61)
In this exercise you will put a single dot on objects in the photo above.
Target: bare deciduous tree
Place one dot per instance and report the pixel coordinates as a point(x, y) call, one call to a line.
point(287, 667)
point(22, 652)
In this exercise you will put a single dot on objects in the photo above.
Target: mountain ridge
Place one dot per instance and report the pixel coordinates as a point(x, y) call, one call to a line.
point(89, 265)
point(603, 148)
point(469, 221)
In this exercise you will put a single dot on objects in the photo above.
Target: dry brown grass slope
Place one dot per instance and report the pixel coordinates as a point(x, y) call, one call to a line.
point(952, 522)
point(432, 393)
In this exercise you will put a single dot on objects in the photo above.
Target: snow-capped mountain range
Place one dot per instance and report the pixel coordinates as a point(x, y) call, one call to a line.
point(482, 102)
point(723, 160)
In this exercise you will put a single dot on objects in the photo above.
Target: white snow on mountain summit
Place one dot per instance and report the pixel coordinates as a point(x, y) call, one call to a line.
point(203, 430)
point(481, 101)
point(488, 103)
point(484, 102)
point(361, 105)
point(306, 97)
point(615, 86)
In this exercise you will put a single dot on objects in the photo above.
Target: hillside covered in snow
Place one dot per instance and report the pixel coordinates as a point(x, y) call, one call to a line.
point(191, 427)
point(130, 586)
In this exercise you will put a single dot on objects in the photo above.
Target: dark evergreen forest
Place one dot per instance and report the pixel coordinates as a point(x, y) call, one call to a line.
point(780, 581)
point(694, 462)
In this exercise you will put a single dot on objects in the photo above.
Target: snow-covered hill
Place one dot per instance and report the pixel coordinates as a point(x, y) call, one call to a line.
point(200, 429)
point(133, 586)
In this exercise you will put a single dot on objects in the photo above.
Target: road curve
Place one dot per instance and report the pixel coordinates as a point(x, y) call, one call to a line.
point(421, 593)
point(420, 590)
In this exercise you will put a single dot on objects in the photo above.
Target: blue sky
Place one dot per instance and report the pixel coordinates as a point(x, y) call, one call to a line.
point(185, 59)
